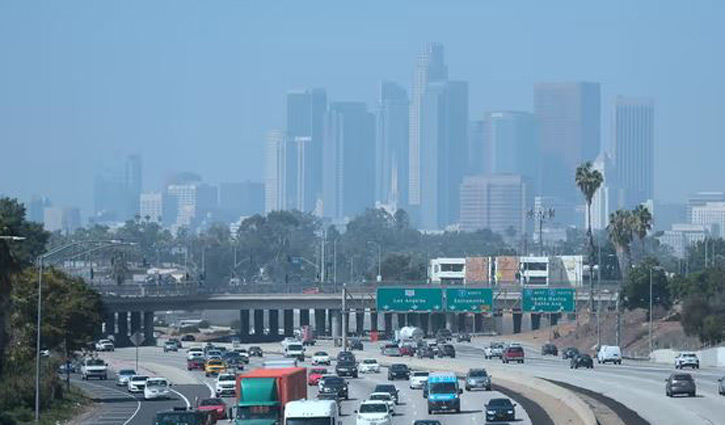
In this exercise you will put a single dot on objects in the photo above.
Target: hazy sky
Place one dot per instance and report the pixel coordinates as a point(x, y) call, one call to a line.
point(195, 85)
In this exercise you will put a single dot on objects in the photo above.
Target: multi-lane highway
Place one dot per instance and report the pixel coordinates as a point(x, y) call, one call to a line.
point(639, 386)
point(190, 385)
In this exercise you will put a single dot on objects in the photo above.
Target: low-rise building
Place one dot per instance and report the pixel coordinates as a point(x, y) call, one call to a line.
point(556, 271)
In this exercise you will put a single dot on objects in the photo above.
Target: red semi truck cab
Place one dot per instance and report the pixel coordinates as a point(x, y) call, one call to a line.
point(263, 393)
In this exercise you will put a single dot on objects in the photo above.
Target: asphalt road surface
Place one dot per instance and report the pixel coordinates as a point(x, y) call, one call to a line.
point(194, 384)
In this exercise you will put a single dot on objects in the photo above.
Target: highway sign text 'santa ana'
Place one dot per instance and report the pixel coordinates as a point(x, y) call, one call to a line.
point(409, 299)
point(544, 300)
point(474, 300)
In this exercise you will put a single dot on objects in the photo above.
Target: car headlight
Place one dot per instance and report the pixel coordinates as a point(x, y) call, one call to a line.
point(491, 412)
point(510, 412)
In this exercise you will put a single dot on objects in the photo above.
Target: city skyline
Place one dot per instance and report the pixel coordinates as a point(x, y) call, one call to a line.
point(230, 100)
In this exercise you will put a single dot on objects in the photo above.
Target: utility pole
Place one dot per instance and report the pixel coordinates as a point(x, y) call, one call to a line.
point(599, 304)
point(650, 311)
point(334, 262)
point(322, 259)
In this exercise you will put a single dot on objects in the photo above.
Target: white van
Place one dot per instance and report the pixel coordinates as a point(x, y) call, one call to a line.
point(312, 412)
point(609, 354)
point(295, 350)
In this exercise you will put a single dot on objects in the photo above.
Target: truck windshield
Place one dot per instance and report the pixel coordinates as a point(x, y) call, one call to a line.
point(294, 347)
point(258, 412)
point(181, 418)
point(309, 421)
point(442, 388)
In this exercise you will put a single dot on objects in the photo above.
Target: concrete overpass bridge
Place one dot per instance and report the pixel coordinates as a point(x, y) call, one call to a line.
point(272, 313)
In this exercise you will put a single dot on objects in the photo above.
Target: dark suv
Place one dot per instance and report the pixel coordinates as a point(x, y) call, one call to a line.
point(447, 350)
point(398, 371)
point(345, 356)
point(549, 349)
point(335, 385)
point(680, 383)
point(390, 389)
point(346, 368)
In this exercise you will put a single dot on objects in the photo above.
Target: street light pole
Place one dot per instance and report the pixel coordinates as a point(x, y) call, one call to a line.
point(650, 311)
point(380, 256)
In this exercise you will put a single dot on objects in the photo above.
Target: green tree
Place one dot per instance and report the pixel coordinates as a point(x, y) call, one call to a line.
point(588, 180)
point(635, 290)
point(15, 256)
point(641, 225)
point(619, 230)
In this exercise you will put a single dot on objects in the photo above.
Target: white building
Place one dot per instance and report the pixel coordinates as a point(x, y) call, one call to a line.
point(447, 271)
point(61, 219)
point(151, 206)
point(710, 214)
point(192, 201)
point(534, 270)
point(681, 236)
point(605, 198)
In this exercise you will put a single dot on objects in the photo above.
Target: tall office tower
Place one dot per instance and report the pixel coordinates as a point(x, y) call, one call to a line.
point(478, 162)
point(391, 146)
point(193, 202)
point(443, 150)
point(634, 149)
point(117, 189)
point(568, 119)
point(430, 68)
point(275, 186)
point(510, 145)
point(240, 199)
point(605, 198)
point(36, 208)
point(61, 219)
point(305, 116)
point(348, 159)
point(497, 202)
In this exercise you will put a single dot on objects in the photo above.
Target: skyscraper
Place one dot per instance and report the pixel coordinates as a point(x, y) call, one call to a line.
point(634, 149)
point(497, 202)
point(305, 116)
point(275, 189)
point(605, 198)
point(391, 147)
point(117, 189)
point(510, 145)
point(240, 199)
point(430, 68)
point(348, 159)
point(568, 119)
point(443, 152)
point(61, 219)
point(193, 201)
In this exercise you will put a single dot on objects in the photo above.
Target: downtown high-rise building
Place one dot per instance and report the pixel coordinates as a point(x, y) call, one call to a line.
point(568, 121)
point(430, 68)
point(240, 199)
point(304, 131)
point(391, 145)
point(192, 202)
point(605, 198)
point(348, 185)
point(443, 152)
point(634, 150)
point(117, 190)
point(510, 145)
point(497, 202)
point(275, 176)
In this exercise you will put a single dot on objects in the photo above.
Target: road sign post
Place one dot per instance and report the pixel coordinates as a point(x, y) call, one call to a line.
point(423, 300)
point(545, 300)
point(137, 339)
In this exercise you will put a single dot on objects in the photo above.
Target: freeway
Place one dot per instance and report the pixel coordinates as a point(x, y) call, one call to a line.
point(195, 384)
point(638, 385)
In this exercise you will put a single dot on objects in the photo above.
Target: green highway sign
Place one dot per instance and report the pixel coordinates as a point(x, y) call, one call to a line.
point(544, 300)
point(410, 299)
point(473, 300)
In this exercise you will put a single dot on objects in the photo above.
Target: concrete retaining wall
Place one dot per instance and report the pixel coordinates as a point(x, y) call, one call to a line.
point(711, 357)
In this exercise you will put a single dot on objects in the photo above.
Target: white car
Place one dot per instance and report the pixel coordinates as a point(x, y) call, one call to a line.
point(295, 349)
point(374, 413)
point(386, 397)
point(418, 379)
point(609, 354)
point(137, 383)
point(289, 340)
point(94, 368)
point(123, 377)
point(321, 358)
point(494, 349)
point(369, 366)
point(105, 345)
point(156, 388)
point(194, 355)
point(226, 384)
point(687, 360)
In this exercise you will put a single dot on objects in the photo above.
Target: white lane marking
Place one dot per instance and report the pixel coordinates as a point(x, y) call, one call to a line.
point(211, 389)
point(138, 402)
point(183, 397)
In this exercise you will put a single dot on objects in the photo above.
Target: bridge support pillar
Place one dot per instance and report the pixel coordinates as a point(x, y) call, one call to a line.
point(258, 323)
point(423, 322)
point(273, 322)
point(554, 319)
point(122, 335)
point(388, 324)
point(517, 322)
point(497, 322)
point(360, 322)
point(304, 317)
point(320, 321)
point(412, 319)
point(135, 322)
point(330, 330)
point(450, 322)
point(402, 320)
point(463, 322)
point(373, 320)
point(336, 318)
point(438, 321)
point(535, 321)
point(478, 323)
point(289, 322)
point(148, 328)
point(109, 325)
point(243, 324)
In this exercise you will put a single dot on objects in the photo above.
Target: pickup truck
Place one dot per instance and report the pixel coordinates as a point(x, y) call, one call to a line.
point(94, 368)
point(513, 353)
point(493, 350)
point(105, 345)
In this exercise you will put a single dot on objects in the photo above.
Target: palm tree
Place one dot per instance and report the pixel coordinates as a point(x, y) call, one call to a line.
point(641, 224)
point(620, 230)
point(589, 180)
